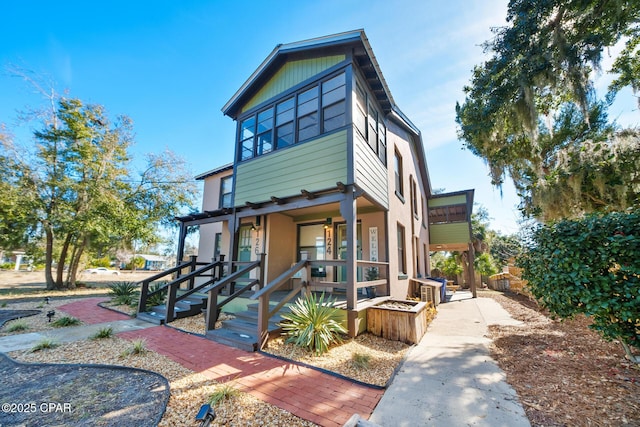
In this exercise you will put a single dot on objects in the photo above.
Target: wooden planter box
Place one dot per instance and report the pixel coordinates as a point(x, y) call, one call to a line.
point(398, 324)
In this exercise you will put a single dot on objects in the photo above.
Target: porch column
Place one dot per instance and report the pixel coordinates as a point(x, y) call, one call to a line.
point(471, 271)
point(348, 210)
point(181, 238)
point(233, 237)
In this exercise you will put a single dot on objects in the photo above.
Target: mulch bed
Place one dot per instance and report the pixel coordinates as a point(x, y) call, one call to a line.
point(37, 394)
point(7, 315)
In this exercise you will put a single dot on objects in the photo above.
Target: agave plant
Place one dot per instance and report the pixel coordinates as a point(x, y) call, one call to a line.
point(124, 293)
point(313, 324)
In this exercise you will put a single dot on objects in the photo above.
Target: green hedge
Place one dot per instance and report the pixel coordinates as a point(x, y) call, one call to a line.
point(589, 266)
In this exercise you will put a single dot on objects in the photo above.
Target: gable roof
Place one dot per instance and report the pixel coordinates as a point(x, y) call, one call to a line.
point(366, 61)
point(362, 54)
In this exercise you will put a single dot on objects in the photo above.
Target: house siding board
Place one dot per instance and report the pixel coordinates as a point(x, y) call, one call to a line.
point(447, 201)
point(291, 74)
point(442, 234)
point(370, 173)
point(313, 165)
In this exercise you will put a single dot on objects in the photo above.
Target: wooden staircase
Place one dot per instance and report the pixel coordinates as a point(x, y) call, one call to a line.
point(242, 331)
point(190, 306)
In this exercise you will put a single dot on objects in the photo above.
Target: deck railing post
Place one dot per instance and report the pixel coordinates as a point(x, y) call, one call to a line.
point(212, 309)
point(221, 266)
point(192, 268)
point(171, 302)
point(263, 321)
point(263, 275)
point(144, 292)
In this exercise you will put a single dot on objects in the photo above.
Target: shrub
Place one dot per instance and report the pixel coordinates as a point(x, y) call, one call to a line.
point(44, 344)
point(222, 392)
point(589, 266)
point(17, 326)
point(159, 298)
point(124, 293)
point(313, 324)
point(66, 321)
point(102, 333)
point(138, 346)
point(360, 360)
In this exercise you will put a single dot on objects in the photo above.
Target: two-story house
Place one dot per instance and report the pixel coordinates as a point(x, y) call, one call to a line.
point(327, 168)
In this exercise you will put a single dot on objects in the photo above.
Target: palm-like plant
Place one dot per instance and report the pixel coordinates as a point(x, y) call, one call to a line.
point(313, 324)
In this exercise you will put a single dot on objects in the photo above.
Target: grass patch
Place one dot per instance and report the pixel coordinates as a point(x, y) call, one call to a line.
point(222, 392)
point(102, 333)
point(17, 326)
point(360, 360)
point(44, 344)
point(138, 346)
point(66, 321)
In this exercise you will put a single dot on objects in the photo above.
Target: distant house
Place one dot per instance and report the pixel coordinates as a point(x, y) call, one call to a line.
point(153, 262)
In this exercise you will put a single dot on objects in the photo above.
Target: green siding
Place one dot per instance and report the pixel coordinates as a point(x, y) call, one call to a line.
point(291, 74)
point(313, 165)
point(370, 173)
point(441, 234)
point(447, 200)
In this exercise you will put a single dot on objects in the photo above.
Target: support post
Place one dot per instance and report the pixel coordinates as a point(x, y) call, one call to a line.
point(471, 271)
point(192, 268)
point(263, 271)
point(212, 309)
point(348, 211)
point(181, 238)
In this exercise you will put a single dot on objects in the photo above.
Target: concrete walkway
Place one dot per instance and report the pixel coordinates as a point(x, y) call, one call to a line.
point(449, 379)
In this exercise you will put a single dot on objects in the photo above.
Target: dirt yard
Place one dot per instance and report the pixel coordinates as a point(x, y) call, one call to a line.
point(564, 373)
point(27, 282)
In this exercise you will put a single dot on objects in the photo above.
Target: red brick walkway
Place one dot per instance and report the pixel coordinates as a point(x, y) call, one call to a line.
point(310, 394)
point(89, 312)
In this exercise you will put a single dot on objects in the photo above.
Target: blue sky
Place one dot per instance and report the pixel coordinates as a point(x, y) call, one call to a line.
point(172, 65)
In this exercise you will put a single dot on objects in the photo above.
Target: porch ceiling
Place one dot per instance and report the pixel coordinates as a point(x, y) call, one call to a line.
point(330, 210)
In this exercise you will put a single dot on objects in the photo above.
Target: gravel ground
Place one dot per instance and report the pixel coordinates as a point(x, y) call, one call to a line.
point(36, 323)
point(383, 357)
point(189, 390)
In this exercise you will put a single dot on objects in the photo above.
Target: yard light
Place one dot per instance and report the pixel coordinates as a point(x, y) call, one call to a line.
point(50, 315)
point(206, 415)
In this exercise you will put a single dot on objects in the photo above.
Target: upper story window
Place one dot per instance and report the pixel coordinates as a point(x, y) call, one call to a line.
point(226, 191)
point(398, 174)
point(284, 123)
point(370, 123)
point(312, 111)
point(414, 197)
point(334, 104)
point(308, 125)
point(264, 137)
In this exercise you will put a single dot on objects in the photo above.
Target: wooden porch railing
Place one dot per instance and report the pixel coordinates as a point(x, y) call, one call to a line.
point(213, 306)
point(264, 313)
point(215, 270)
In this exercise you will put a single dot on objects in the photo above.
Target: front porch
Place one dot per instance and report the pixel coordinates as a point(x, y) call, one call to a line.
point(200, 287)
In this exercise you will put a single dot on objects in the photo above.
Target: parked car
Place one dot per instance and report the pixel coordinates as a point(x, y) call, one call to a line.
point(101, 270)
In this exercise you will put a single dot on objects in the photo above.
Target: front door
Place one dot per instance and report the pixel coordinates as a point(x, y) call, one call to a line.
point(341, 241)
point(244, 243)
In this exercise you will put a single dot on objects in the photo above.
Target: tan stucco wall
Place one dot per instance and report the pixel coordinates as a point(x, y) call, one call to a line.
point(211, 193)
point(401, 213)
point(281, 244)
